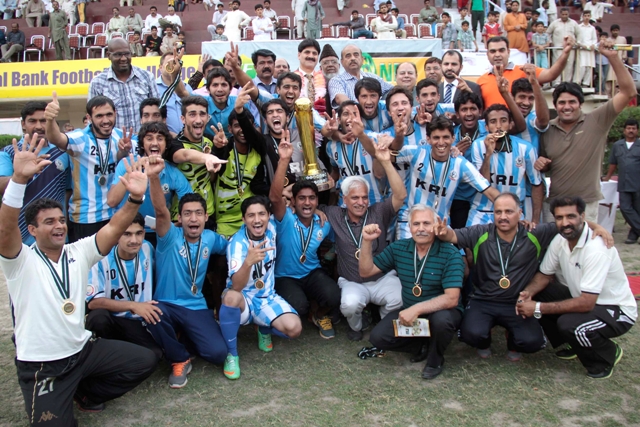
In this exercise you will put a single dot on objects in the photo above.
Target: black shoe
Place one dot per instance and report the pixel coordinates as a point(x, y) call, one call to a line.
point(421, 354)
point(86, 405)
point(566, 353)
point(366, 321)
point(630, 241)
point(354, 335)
point(430, 372)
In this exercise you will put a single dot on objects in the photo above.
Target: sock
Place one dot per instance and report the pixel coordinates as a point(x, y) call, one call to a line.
point(229, 325)
point(273, 331)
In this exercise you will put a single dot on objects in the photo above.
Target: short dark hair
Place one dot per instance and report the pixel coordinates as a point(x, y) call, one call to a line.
point(535, 24)
point(138, 219)
point(570, 88)
point(631, 122)
point(368, 83)
point(564, 9)
point(347, 103)
point(33, 209)
point(191, 197)
point(31, 107)
point(291, 76)
point(152, 127)
point(560, 202)
point(498, 39)
point(224, 60)
point(445, 14)
point(278, 101)
point(395, 9)
point(535, 12)
point(521, 85)
point(255, 200)
point(233, 117)
point(258, 6)
point(424, 83)
point(432, 60)
point(193, 100)
point(496, 107)
point(99, 101)
point(301, 184)
point(528, 9)
point(355, 11)
point(464, 23)
point(454, 52)
point(396, 90)
point(441, 123)
point(153, 27)
point(614, 27)
point(218, 72)
point(309, 43)
point(465, 96)
point(262, 52)
point(604, 33)
point(153, 102)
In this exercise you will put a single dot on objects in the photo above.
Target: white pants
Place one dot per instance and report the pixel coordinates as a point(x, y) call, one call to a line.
point(300, 29)
point(591, 212)
point(385, 292)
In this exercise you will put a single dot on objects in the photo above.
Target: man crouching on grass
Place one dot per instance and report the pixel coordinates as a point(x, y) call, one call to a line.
point(431, 273)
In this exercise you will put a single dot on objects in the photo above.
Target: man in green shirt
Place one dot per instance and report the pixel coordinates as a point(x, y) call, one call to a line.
point(477, 15)
point(58, 32)
point(431, 273)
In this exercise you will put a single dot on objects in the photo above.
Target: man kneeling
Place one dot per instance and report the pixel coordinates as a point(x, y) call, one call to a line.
point(431, 273)
point(250, 294)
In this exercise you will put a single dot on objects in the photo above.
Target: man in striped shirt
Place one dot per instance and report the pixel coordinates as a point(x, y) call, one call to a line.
point(431, 273)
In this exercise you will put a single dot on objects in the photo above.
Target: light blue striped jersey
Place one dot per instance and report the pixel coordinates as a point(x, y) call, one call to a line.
point(465, 191)
point(173, 279)
point(532, 134)
point(290, 246)
point(88, 204)
point(51, 183)
point(379, 122)
point(237, 252)
point(509, 173)
point(105, 280)
point(352, 160)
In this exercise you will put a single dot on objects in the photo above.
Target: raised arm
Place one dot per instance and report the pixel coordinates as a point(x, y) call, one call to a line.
point(136, 184)
point(549, 74)
point(625, 81)
point(444, 233)
point(243, 79)
point(398, 190)
point(285, 150)
point(519, 125)
point(26, 163)
point(540, 102)
point(163, 216)
point(52, 131)
point(366, 266)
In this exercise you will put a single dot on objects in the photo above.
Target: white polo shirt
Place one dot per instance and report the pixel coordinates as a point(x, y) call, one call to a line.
point(43, 331)
point(590, 268)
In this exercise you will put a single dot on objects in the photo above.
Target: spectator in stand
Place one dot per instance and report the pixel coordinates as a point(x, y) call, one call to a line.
point(208, 4)
point(182, 44)
point(586, 59)
point(559, 30)
point(169, 41)
point(542, 11)
point(477, 16)
point(262, 26)
point(466, 40)
point(81, 5)
point(271, 14)
point(234, 22)
point(616, 38)
point(602, 64)
point(429, 15)
point(448, 33)
point(357, 26)
point(116, 23)
point(515, 23)
point(153, 42)
point(540, 42)
point(133, 22)
point(171, 20)
point(282, 66)
point(297, 7)
point(8, 8)
point(313, 15)
point(58, 32)
point(552, 10)
point(69, 7)
point(463, 17)
point(385, 24)
point(217, 16)
point(135, 45)
point(263, 62)
point(528, 13)
point(401, 33)
point(153, 20)
point(34, 13)
point(15, 43)
point(491, 28)
point(596, 8)
point(218, 33)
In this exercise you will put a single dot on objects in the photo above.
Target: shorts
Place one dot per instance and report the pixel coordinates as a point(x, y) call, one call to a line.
point(263, 311)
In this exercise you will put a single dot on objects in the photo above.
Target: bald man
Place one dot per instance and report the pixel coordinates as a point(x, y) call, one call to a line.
point(125, 84)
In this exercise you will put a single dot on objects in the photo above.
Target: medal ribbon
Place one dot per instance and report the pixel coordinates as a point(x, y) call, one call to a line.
point(351, 164)
point(62, 283)
point(257, 267)
point(193, 273)
point(305, 242)
point(417, 273)
point(103, 162)
point(504, 265)
point(122, 271)
point(357, 242)
point(239, 172)
point(443, 175)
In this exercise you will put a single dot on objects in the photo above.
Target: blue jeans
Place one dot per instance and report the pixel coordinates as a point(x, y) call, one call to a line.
point(362, 33)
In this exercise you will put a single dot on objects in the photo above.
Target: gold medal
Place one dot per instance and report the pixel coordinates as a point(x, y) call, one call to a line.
point(358, 254)
point(417, 290)
point(504, 282)
point(500, 134)
point(194, 289)
point(303, 258)
point(102, 180)
point(240, 191)
point(286, 181)
point(68, 308)
point(259, 284)
point(170, 67)
point(206, 149)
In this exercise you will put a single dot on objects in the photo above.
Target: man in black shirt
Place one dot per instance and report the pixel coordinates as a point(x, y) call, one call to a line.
point(152, 43)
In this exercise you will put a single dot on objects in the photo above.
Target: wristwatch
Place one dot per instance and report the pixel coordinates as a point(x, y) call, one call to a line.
point(134, 201)
point(537, 313)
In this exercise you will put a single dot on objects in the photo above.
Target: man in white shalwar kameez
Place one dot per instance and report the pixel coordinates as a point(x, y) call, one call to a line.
point(262, 26)
point(298, 6)
point(234, 22)
point(385, 24)
point(559, 29)
point(586, 56)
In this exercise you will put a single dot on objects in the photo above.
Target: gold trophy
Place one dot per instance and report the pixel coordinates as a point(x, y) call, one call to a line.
point(304, 119)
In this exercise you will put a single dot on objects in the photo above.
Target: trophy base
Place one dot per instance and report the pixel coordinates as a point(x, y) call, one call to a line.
point(321, 180)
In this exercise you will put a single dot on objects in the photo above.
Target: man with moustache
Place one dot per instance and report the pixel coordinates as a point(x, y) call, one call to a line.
point(348, 224)
point(124, 84)
point(330, 67)
point(593, 301)
point(431, 289)
point(250, 296)
point(94, 152)
point(375, 116)
point(453, 84)
point(433, 69)
point(263, 62)
point(53, 178)
point(314, 85)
